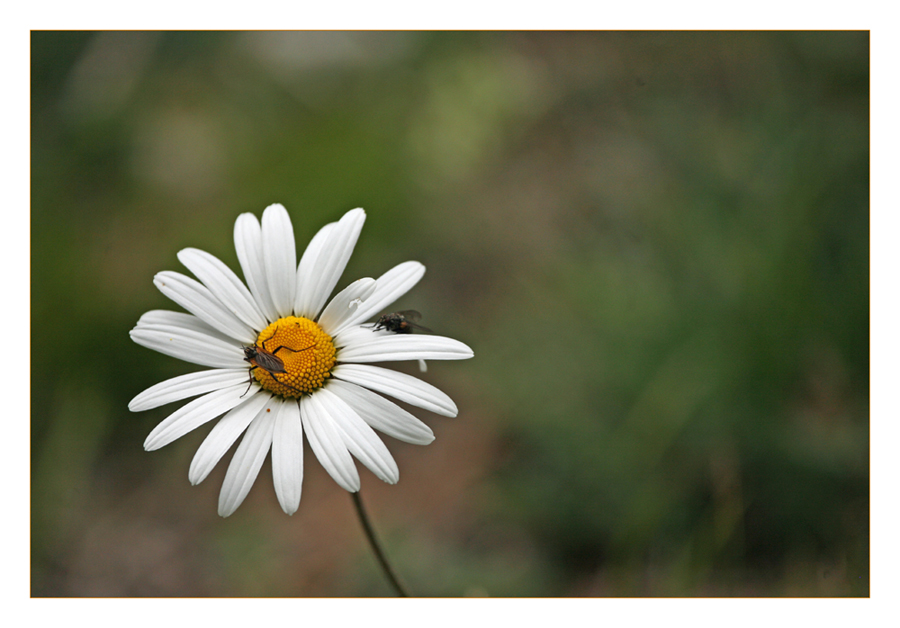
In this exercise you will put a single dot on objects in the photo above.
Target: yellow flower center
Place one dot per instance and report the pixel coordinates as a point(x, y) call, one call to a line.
point(291, 357)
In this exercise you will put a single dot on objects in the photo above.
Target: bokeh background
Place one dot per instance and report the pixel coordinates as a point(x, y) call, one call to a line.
point(656, 244)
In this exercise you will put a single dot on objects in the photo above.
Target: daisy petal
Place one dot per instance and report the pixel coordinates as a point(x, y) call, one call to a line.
point(222, 436)
point(287, 456)
point(307, 263)
point(194, 414)
point(344, 305)
point(393, 347)
point(361, 440)
point(321, 268)
point(327, 442)
point(224, 285)
point(358, 335)
point(185, 386)
point(389, 287)
point(199, 301)
point(179, 320)
point(188, 345)
point(382, 414)
point(398, 385)
point(248, 244)
point(279, 257)
point(246, 462)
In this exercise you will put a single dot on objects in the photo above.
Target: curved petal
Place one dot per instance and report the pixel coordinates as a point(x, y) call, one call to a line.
point(248, 244)
point(191, 346)
point(344, 305)
point(307, 264)
point(224, 285)
point(180, 320)
point(382, 414)
point(222, 436)
point(246, 462)
point(358, 335)
point(306, 268)
point(322, 266)
point(185, 386)
point(327, 442)
point(199, 301)
point(194, 414)
point(393, 347)
point(398, 385)
point(287, 456)
point(280, 257)
point(360, 439)
point(390, 286)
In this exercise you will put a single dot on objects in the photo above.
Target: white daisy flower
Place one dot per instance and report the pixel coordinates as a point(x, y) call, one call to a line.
point(285, 364)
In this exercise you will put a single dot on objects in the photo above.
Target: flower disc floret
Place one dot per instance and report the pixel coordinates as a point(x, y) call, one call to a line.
point(294, 357)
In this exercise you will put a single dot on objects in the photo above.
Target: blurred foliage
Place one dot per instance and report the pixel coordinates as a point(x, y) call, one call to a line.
point(656, 243)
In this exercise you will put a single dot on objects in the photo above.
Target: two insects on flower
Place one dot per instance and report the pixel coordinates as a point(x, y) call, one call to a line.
point(310, 371)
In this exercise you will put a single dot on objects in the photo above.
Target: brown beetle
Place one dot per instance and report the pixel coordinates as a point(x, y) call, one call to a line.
point(262, 358)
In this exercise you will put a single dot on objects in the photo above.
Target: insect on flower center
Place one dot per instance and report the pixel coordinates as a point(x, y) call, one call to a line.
point(291, 357)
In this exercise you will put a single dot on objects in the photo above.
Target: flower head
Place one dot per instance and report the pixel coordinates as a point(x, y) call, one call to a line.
point(287, 362)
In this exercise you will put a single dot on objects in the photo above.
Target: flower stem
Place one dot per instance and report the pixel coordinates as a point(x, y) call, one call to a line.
point(376, 547)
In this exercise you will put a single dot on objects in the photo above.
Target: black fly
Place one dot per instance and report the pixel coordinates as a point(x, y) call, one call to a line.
point(399, 322)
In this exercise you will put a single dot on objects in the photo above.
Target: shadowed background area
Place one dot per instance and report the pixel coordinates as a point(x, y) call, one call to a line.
point(655, 243)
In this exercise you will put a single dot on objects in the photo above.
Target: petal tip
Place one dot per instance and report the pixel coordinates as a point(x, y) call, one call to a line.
point(357, 215)
point(244, 219)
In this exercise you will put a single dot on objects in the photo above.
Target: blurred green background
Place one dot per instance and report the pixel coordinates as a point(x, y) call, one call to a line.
point(656, 244)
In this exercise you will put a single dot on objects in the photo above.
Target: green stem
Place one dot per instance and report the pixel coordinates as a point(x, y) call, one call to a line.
point(376, 547)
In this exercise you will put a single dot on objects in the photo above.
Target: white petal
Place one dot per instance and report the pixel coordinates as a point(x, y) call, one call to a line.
point(248, 244)
point(185, 386)
point(306, 269)
point(344, 305)
point(195, 414)
point(358, 335)
point(382, 414)
point(398, 385)
point(320, 271)
point(287, 456)
point(280, 257)
point(327, 442)
point(199, 301)
point(361, 440)
point(188, 345)
point(225, 286)
point(390, 286)
point(246, 462)
point(393, 347)
point(222, 436)
point(180, 320)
